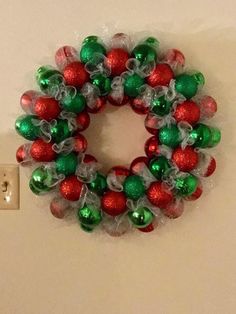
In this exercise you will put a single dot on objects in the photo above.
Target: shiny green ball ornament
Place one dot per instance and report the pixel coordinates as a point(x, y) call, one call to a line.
point(134, 187)
point(170, 135)
point(186, 185)
point(186, 85)
point(66, 164)
point(141, 217)
point(199, 78)
point(99, 184)
point(159, 166)
point(215, 137)
point(132, 84)
point(145, 53)
point(60, 131)
point(41, 180)
point(90, 48)
point(47, 78)
point(200, 135)
point(74, 103)
point(103, 83)
point(161, 106)
point(90, 39)
point(25, 127)
point(89, 216)
point(86, 228)
point(152, 41)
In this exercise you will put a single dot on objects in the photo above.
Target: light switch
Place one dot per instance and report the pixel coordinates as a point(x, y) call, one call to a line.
point(9, 186)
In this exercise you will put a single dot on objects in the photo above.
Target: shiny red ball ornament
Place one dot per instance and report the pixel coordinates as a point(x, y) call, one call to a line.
point(175, 57)
point(28, 99)
point(116, 102)
point(139, 106)
point(120, 171)
point(21, 154)
point(186, 159)
point(83, 121)
point(174, 209)
point(80, 143)
point(149, 228)
point(116, 60)
point(113, 203)
point(151, 123)
point(47, 108)
point(65, 55)
point(208, 107)
point(196, 194)
point(89, 158)
point(210, 167)
point(70, 188)
point(161, 75)
point(99, 105)
point(187, 111)
point(151, 146)
point(42, 151)
point(75, 74)
point(159, 194)
point(138, 163)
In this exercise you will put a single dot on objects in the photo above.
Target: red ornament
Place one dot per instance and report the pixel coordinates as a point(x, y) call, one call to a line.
point(149, 228)
point(159, 194)
point(89, 158)
point(47, 108)
point(187, 111)
point(119, 171)
point(83, 121)
point(138, 163)
point(139, 106)
point(210, 167)
point(70, 188)
point(151, 123)
point(75, 74)
point(161, 75)
point(174, 209)
point(116, 102)
point(151, 146)
point(28, 99)
point(116, 61)
point(22, 155)
point(175, 58)
point(42, 151)
point(186, 159)
point(59, 207)
point(65, 55)
point(80, 144)
point(99, 105)
point(113, 203)
point(196, 194)
point(208, 107)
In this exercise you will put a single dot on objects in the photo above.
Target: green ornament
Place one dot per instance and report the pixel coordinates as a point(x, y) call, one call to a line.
point(161, 106)
point(132, 84)
point(201, 135)
point(90, 39)
point(151, 41)
point(186, 185)
point(159, 166)
point(60, 131)
point(103, 83)
point(86, 228)
point(47, 78)
point(90, 48)
point(186, 85)
point(74, 103)
point(41, 180)
point(134, 187)
point(215, 137)
point(25, 127)
point(170, 136)
point(66, 164)
point(199, 78)
point(145, 53)
point(99, 184)
point(141, 217)
point(89, 216)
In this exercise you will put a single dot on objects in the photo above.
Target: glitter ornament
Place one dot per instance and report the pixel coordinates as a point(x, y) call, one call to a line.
point(159, 166)
point(159, 194)
point(186, 85)
point(141, 217)
point(113, 203)
point(26, 127)
point(64, 56)
point(186, 159)
point(60, 131)
point(186, 185)
point(116, 61)
point(70, 188)
point(89, 216)
point(82, 121)
point(90, 47)
point(75, 74)
point(42, 151)
point(66, 164)
point(80, 143)
point(151, 146)
point(161, 75)
point(134, 187)
point(47, 108)
point(161, 106)
point(132, 84)
point(187, 111)
point(170, 136)
point(99, 184)
point(74, 103)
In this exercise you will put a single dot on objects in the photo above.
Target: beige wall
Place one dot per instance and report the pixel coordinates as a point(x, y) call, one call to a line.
point(188, 266)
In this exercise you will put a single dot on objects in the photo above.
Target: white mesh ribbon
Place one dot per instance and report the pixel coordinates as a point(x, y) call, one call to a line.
point(134, 66)
point(117, 89)
point(87, 197)
point(86, 172)
point(114, 182)
point(98, 65)
point(65, 147)
point(45, 128)
point(145, 174)
point(91, 94)
point(204, 160)
point(28, 159)
point(56, 86)
point(71, 119)
point(53, 177)
point(185, 129)
point(121, 40)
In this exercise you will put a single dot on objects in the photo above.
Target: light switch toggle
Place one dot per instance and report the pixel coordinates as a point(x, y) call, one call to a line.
point(9, 187)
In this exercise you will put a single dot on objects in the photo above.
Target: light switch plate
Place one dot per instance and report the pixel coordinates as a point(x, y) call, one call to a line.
point(9, 186)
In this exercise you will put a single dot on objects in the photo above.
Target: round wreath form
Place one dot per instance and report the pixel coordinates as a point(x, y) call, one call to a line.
point(152, 83)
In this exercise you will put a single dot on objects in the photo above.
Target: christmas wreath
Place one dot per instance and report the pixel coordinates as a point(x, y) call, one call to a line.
point(152, 83)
